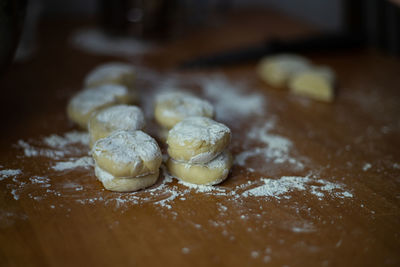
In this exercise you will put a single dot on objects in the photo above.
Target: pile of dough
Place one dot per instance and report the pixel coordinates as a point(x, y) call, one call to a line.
point(276, 70)
point(197, 147)
point(127, 160)
point(111, 73)
point(84, 103)
point(119, 117)
point(173, 107)
point(317, 83)
point(299, 74)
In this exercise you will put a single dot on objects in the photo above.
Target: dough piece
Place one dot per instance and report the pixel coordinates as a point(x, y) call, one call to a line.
point(126, 154)
point(211, 173)
point(277, 70)
point(84, 103)
point(197, 140)
point(111, 73)
point(317, 83)
point(125, 184)
point(108, 120)
point(173, 107)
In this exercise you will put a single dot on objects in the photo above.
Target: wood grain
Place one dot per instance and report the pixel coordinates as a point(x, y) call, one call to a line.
point(334, 142)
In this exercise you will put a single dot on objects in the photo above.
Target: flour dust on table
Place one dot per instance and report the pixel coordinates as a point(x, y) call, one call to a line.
point(53, 185)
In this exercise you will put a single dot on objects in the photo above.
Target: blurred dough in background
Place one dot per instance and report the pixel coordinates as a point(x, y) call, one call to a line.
point(317, 83)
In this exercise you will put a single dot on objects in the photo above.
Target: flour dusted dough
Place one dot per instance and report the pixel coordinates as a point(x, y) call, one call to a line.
point(278, 69)
point(125, 184)
point(211, 173)
point(173, 107)
point(84, 103)
point(197, 140)
point(119, 117)
point(126, 154)
point(317, 83)
point(111, 73)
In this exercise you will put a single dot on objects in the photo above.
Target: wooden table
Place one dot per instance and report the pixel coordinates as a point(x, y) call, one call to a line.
point(70, 220)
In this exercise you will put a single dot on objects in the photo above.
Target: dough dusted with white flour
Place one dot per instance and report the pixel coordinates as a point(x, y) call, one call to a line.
point(111, 73)
point(84, 103)
point(211, 173)
point(119, 117)
point(127, 154)
point(278, 69)
point(197, 140)
point(173, 107)
point(317, 83)
point(112, 183)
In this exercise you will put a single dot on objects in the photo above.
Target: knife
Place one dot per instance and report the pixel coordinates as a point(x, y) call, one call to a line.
point(318, 43)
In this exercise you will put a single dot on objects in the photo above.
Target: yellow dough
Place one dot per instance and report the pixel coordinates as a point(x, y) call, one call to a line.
point(84, 103)
point(110, 119)
point(211, 173)
point(317, 83)
point(278, 69)
point(173, 107)
point(125, 184)
point(126, 154)
point(197, 140)
point(111, 73)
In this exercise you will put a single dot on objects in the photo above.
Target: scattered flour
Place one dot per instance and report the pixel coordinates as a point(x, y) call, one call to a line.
point(185, 250)
point(366, 167)
point(274, 148)
point(94, 41)
point(231, 100)
point(276, 188)
point(56, 147)
point(73, 137)
point(83, 162)
point(8, 173)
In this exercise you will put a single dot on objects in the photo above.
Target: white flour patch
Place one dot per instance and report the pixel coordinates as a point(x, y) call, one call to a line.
point(274, 148)
point(366, 167)
point(9, 173)
point(231, 100)
point(278, 188)
point(73, 137)
point(94, 41)
point(56, 147)
point(84, 162)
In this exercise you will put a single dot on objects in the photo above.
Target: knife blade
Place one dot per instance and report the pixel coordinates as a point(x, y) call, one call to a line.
point(317, 43)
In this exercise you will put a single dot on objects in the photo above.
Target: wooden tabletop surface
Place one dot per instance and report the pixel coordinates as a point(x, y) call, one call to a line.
point(327, 175)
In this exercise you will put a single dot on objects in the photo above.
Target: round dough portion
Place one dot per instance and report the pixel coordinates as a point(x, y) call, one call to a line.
point(317, 83)
point(197, 140)
point(125, 184)
point(126, 154)
point(173, 107)
point(119, 117)
point(83, 104)
point(278, 69)
point(211, 173)
point(111, 73)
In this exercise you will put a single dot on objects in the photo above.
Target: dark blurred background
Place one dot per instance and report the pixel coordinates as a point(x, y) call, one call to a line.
point(376, 22)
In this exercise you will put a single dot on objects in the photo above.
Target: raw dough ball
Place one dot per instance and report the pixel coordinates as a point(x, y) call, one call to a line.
point(120, 117)
point(197, 140)
point(211, 173)
point(317, 83)
point(126, 154)
point(172, 107)
point(125, 184)
point(276, 70)
point(111, 73)
point(84, 103)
